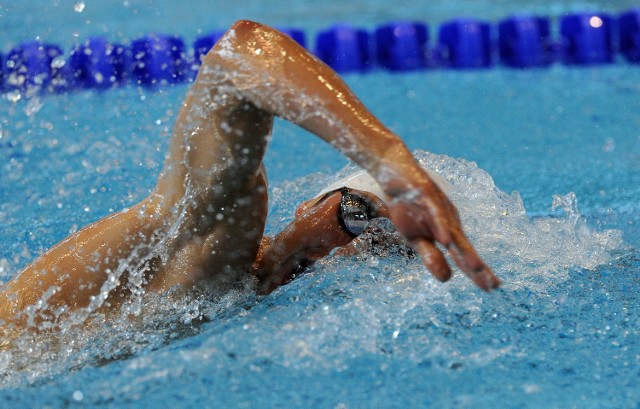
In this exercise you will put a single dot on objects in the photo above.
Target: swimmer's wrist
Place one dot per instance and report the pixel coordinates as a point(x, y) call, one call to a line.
point(401, 178)
point(406, 176)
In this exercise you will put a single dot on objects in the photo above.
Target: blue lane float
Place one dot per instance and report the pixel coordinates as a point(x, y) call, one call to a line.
point(521, 42)
point(158, 59)
point(35, 66)
point(344, 48)
point(525, 41)
point(465, 43)
point(629, 35)
point(2, 65)
point(588, 38)
point(97, 64)
point(402, 46)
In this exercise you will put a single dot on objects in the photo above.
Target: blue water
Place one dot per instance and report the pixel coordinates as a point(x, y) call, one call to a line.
point(368, 331)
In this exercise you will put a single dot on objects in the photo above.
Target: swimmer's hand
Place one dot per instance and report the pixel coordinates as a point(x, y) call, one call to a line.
point(312, 234)
point(424, 215)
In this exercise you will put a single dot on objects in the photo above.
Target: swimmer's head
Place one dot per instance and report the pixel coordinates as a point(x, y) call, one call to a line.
point(350, 215)
point(361, 200)
point(361, 180)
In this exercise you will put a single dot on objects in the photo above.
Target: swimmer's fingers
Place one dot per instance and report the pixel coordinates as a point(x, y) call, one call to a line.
point(428, 221)
point(433, 259)
point(466, 257)
point(431, 218)
point(459, 247)
point(268, 283)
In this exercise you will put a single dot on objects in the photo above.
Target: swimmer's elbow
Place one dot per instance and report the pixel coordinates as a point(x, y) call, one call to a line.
point(243, 41)
point(246, 26)
point(234, 40)
point(244, 32)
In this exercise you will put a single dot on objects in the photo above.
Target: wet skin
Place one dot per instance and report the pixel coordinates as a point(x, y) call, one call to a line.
point(205, 218)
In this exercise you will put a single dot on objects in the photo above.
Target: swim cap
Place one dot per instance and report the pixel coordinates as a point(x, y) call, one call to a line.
point(361, 180)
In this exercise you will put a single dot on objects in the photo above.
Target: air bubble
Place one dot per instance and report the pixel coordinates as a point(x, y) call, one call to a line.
point(78, 396)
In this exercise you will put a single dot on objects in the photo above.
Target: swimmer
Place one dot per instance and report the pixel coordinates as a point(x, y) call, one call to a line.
point(205, 219)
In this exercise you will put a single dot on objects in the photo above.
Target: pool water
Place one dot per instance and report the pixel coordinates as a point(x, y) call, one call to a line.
point(544, 167)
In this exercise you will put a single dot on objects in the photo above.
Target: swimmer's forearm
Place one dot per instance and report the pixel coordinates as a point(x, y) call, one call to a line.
point(278, 75)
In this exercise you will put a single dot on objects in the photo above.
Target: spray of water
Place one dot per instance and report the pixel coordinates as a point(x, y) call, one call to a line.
point(368, 303)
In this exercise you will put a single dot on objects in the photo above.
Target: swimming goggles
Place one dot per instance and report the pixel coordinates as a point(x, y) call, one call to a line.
point(355, 212)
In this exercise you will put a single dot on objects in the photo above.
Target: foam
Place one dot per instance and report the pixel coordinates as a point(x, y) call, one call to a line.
point(343, 307)
point(534, 251)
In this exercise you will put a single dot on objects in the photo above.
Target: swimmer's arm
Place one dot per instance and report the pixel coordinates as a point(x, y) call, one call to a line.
point(74, 270)
point(312, 234)
point(277, 75)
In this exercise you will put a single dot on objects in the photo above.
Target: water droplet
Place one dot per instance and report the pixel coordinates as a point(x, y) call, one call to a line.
point(58, 62)
point(609, 145)
point(78, 7)
point(78, 396)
